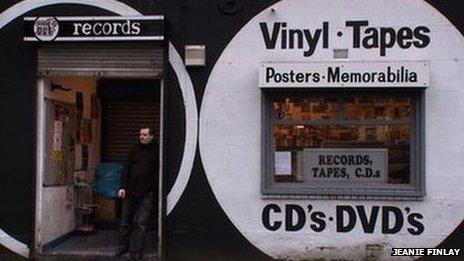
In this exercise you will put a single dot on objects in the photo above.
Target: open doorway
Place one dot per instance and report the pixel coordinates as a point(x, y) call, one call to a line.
point(88, 126)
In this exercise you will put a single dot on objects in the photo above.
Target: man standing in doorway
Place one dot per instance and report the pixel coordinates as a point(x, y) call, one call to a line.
point(139, 190)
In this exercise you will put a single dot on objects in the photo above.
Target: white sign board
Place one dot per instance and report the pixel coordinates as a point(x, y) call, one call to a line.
point(346, 165)
point(344, 74)
point(283, 163)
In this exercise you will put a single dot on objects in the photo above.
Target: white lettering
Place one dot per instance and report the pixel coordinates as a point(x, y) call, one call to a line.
point(115, 28)
point(76, 28)
point(136, 28)
point(87, 29)
point(126, 27)
point(107, 28)
point(95, 30)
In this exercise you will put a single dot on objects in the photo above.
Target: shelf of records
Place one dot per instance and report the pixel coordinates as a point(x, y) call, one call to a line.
point(350, 108)
point(340, 135)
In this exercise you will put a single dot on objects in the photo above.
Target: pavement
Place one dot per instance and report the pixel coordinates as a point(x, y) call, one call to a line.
point(180, 247)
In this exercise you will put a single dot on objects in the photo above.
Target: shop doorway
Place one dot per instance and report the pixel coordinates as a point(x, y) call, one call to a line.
point(86, 125)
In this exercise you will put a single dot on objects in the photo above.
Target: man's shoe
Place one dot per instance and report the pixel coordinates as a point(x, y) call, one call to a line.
point(121, 250)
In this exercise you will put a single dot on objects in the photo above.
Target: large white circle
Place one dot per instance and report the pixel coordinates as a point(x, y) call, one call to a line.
point(230, 129)
point(185, 83)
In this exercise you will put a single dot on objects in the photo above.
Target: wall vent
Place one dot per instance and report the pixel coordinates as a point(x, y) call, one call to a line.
point(340, 53)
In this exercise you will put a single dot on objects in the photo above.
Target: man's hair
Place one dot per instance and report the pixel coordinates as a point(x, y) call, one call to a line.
point(146, 126)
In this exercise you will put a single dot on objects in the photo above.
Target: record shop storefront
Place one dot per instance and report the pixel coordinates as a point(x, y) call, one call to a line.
point(99, 78)
point(349, 144)
point(91, 74)
point(324, 130)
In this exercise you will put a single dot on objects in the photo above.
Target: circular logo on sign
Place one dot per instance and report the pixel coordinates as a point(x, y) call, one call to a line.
point(46, 28)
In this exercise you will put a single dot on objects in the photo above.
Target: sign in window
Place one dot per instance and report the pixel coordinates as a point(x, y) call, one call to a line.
point(361, 143)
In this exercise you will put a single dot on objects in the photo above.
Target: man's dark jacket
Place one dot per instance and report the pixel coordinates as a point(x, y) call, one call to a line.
point(140, 172)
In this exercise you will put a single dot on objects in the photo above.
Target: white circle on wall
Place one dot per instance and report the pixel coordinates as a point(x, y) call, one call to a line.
point(185, 83)
point(230, 132)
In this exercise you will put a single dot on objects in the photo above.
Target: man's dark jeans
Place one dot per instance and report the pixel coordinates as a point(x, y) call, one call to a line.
point(136, 213)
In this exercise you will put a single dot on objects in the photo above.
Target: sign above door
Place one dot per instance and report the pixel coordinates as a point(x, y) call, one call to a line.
point(93, 28)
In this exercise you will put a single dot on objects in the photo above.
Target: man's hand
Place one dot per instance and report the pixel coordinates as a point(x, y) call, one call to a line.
point(121, 193)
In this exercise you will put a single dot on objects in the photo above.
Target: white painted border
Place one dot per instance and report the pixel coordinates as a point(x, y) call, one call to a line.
point(99, 18)
point(159, 242)
point(40, 159)
point(98, 38)
point(185, 83)
point(13, 244)
point(191, 128)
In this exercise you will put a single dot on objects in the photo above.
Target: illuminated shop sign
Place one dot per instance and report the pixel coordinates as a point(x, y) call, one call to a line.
point(344, 74)
point(102, 28)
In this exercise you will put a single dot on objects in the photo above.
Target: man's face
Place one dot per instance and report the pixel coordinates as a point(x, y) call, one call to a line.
point(144, 136)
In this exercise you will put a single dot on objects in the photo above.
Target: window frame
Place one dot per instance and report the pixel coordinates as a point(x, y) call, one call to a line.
point(416, 187)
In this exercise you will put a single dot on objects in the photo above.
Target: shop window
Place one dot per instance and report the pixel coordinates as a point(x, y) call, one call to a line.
point(343, 143)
